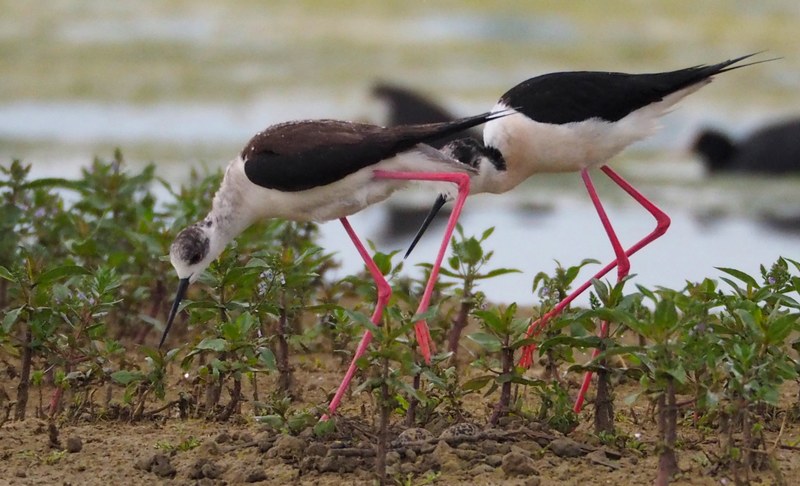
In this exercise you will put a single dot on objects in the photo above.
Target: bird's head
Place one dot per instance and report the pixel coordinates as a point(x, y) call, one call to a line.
point(192, 252)
point(487, 161)
point(716, 149)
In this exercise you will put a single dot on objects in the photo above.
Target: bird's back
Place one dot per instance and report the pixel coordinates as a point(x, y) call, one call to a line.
point(567, 97)
point(297, 156)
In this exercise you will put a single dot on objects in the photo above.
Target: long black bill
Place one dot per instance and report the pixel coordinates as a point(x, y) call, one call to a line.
point(440, 201)
point(182, 286)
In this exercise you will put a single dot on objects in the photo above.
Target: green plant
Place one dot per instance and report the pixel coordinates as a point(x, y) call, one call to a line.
point(466, 266)
point(502, 333)
point(278, 414)
point(389, 359)
point(753, 329)
point(552, 292)
point(187, 444)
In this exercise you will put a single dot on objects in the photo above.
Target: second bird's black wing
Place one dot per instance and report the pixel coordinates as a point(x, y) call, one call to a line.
point(567, 97)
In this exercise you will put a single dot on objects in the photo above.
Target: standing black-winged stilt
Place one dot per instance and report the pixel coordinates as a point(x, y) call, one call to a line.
point(317, 171)
point(573, 121)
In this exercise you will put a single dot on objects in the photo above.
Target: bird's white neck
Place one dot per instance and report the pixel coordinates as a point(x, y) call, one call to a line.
point(231, 213)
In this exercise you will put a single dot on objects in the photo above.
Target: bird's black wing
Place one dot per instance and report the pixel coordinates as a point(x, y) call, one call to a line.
point(297, 156)
point(560, 98)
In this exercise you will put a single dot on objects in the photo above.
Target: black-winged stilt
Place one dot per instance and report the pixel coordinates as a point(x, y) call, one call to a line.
point(573, 121)
point(320, 170)
point(772, 149)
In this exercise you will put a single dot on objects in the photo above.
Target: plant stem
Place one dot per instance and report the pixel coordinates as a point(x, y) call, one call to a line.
point(235, 395)
point(460, 322)
point(411, 413)
point(25, 374)
point(507, 361)
point(551, 367)
point(604, 402)
point(667, 429)
point(383, 424)
point(3, 293)
point(285, 372)
point(747, 438)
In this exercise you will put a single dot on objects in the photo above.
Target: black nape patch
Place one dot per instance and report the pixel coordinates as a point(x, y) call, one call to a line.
point(192, 245)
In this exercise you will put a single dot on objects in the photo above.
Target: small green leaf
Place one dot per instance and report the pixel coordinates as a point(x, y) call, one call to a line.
point(631, 399)
point(496, 273)
point(274, 421)
point(6, 274)
point(750, 281)
point(678, 373)
point(665, 315)
point(486, 316)
point(267, 357)
point(324, 428)
point(601, 289)
point(10, 319)
point(476, 384)
point(61, 272)
point(363, 320)
point(487, 341)
point(780, 328)
point(124, 377)
point(212, 344)
point(383, 262)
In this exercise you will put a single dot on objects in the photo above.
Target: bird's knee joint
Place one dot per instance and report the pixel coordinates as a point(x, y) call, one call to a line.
point(663, 224)
point(462, 180)
point(384, 292)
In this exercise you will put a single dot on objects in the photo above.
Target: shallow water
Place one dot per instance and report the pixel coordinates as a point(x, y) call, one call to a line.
point(184, 86)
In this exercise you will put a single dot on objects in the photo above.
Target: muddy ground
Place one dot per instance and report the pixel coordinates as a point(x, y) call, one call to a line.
point(166, 449)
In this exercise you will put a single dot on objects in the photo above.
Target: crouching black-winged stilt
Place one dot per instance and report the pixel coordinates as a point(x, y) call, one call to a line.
point(317, 171)
point(573, 121)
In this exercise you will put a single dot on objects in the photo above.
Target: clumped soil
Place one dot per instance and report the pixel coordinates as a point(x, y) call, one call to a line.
point(167, 449)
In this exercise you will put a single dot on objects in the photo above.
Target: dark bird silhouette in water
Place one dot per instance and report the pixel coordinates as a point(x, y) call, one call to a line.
point(773, 149)
point(406, 107)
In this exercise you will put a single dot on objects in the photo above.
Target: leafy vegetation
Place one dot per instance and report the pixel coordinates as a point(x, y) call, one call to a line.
point(84, 288)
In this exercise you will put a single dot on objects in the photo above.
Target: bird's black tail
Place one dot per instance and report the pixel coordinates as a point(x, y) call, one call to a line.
point(684, 78)
point(728, 65)
point(440, 201)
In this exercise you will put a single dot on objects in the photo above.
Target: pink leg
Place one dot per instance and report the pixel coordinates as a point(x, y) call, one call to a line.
point(661, 227)
point(384, 292)
point(662, 224)
point(462, 181)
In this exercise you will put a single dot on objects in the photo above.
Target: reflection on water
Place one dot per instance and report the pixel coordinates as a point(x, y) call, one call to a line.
point(689, 251)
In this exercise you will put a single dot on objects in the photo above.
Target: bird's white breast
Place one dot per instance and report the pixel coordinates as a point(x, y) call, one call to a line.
point(531, 147)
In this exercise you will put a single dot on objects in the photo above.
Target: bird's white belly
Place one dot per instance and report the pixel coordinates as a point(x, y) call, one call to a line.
point(337, 200)
point(531, 147)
